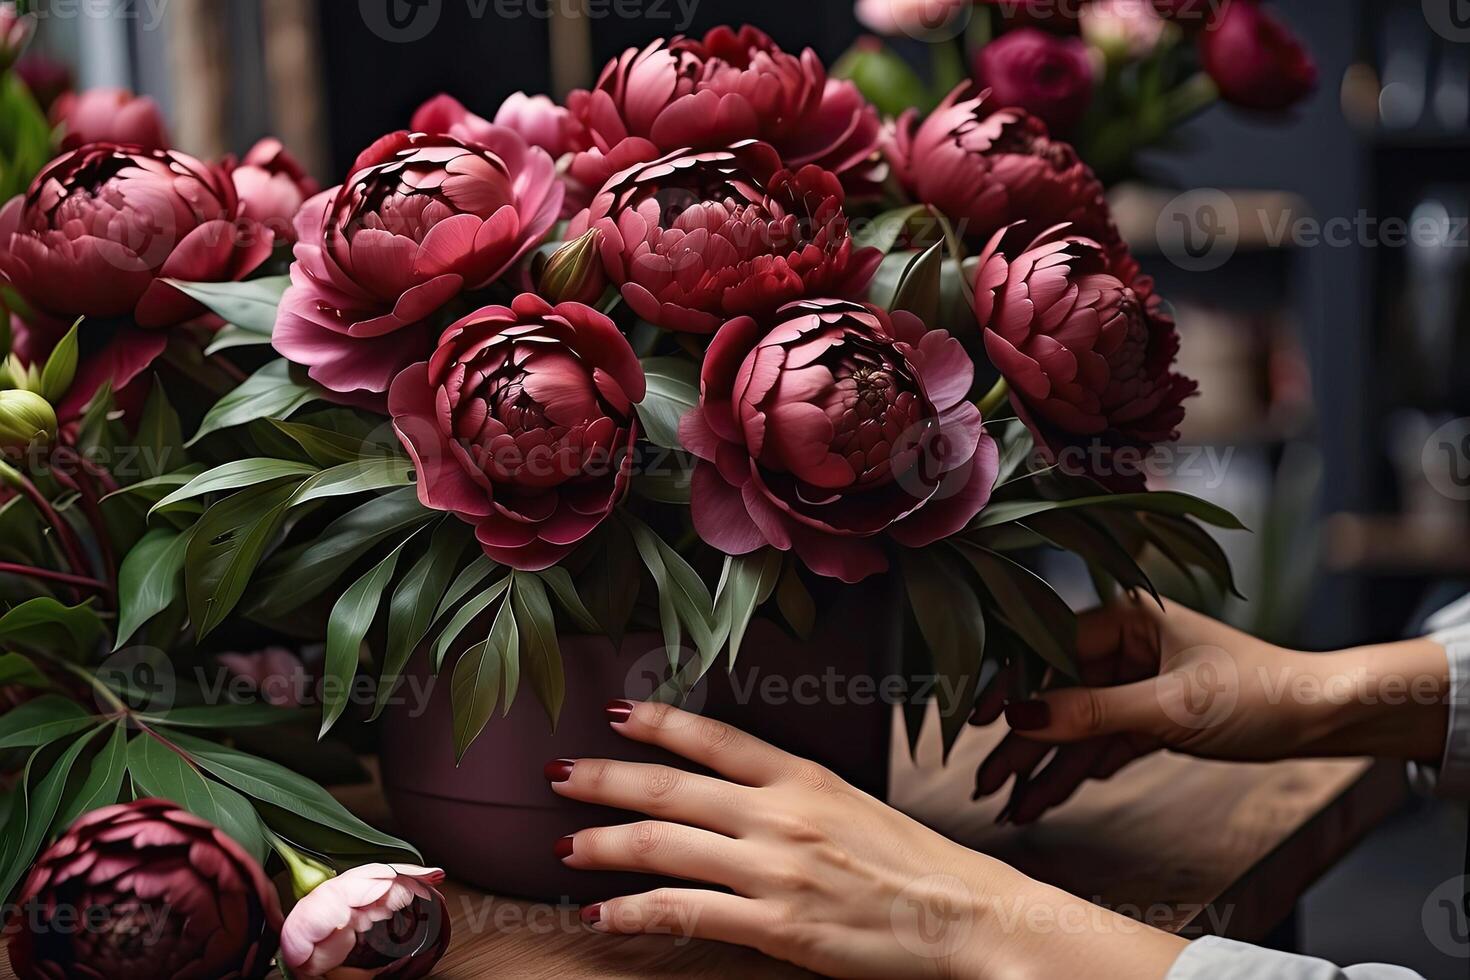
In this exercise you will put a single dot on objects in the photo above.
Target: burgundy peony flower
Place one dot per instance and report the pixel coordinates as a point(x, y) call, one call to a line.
point(272, 186)
point(1255, 59)
point(838, 428)
point(102, 225)
point(522, 424)
point(116, 358)
point(989, 168)
point(47, 79)
point(1050, 77)
point(377, 920)
point(109, 115)
point(166, 895)
point(1089, 358)
point(728, 87)
point(693, 239)
point(421, 219)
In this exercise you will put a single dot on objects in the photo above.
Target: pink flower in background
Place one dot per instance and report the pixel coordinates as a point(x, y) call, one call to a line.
point(15, 31)
point(109, 115)
point(277, 674)
point(102, 225)
point(988, 168)
point(727, 87)
point(540, 121)
point(116, 358)
point(694, 239)
point(377, 920)
point(837, 428)
point(1255, 59)
point(1050, 77)
point(912, 17)
point(272, 186)
point(1089, 358)
point(182, 901)
point(47, 79)
point(522, 424)
point(1124, 30)
point(421, 219)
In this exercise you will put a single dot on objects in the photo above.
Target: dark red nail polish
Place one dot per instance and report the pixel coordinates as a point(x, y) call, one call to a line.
point(592, 914)
point(559, 770)
point(1028, 716)
point(563, 847)
point(619, 711)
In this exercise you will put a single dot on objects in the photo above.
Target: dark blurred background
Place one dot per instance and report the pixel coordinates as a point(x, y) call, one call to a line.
point(1336, 367)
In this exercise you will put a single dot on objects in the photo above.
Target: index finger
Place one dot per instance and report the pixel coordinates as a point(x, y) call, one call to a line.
point(712, 744)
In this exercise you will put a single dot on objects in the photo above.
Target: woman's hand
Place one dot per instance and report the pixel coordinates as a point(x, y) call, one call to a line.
point(1172, 678)
point(821, 874)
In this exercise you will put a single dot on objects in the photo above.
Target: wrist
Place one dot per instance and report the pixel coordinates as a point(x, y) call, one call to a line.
point(1389, 701)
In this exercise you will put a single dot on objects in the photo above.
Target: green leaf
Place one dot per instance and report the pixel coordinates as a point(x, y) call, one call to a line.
point(611, 582)
point(47, 625)
point(278, 786)
point(1016, 444)
point(225, 717)
point(1032, 608)
point(42, 720)
point(358, 476)
point(61, 366)
point(326, 447)
point(565, 591)
point(269, 393)
point(103, 784)
point(18, 669)
point(1156, 502)
point(470, 576)
point(884, 78)
point(795, 602)
point(1186, 543)
point(747, 582)
point(224, 549)
point(673, 389)
point(148, 581)
point(918, 289)
point(462, 619)
point(1079, 535)
point(297, 575)
point(232, 335)
point(884, 231)
point(41, 806)
point(157, 487)
point(952, 622)
point(251, 305)
point(159, 770)
point(417, 596)
point(235, 475)
point(352, 617)
point(479, 677)
point(682, 596)
point(160, 434)
point(540, 652)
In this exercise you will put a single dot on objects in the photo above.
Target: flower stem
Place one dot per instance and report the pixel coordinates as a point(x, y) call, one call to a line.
point(306, 874)
point(80, 581)
point(64, 533)
point(994, 398)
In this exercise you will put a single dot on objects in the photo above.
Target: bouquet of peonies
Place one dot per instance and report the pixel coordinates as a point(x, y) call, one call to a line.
point(1113, 77)
point(703, 344)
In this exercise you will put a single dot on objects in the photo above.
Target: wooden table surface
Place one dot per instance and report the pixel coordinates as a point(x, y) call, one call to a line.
point(1194, 847)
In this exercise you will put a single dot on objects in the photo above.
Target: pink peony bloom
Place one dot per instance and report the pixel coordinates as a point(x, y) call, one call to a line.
point(522, 424)
point(1124, 30)
point(272, 186)
point(1050, 77)
point(102, 225)
point(47, 79)
point(109, 115)
point(1089, 358)
point(693, 239)
point(421, 219)
point(377, 920)
point(915, 18)
point(277, 674)
point(182, 901)
point(836, 430)
point(1255, 59)
point(540, 121)
point(729, 86)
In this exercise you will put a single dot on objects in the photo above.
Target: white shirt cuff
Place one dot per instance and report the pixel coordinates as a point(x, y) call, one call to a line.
point(1213, 958)
point(1451, 780)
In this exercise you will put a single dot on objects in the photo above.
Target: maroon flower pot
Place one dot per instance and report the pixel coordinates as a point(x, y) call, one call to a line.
point(493, 820)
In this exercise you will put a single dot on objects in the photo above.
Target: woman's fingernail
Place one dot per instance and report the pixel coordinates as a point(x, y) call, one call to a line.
point(592, 914)
point(619, 711)
point(559, 770)
point(1028, 716)
point(563, 847)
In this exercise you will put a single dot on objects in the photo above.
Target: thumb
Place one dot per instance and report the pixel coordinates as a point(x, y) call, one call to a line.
point(1077, 713)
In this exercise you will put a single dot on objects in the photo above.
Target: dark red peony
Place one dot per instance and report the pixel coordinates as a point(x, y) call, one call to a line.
point(272, 186)
point(987, 168)
point(1255, 59)
point(169, 896)
point(838, 429)
point(730, 86)
point(421, 219)
point(522, 424)
point(109, 115)
point(1050, 77)
point(102, 225)
point(1089, 358)
point(695, 238)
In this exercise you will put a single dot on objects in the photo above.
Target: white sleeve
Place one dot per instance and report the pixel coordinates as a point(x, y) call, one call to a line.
point(1213, 958)
point(1451, 779)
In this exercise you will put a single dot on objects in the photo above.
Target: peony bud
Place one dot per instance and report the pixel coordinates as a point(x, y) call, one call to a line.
point(25, 420)
point(14, 373)
point(574, 273)
point(15, 31)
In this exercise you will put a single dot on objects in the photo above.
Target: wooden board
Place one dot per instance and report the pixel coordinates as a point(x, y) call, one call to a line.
point(1194, 847)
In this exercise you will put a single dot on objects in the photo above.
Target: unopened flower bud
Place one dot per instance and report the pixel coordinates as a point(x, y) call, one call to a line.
point(15, 31)
point(14, 373)
point(574, 273)
point(25, 419)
